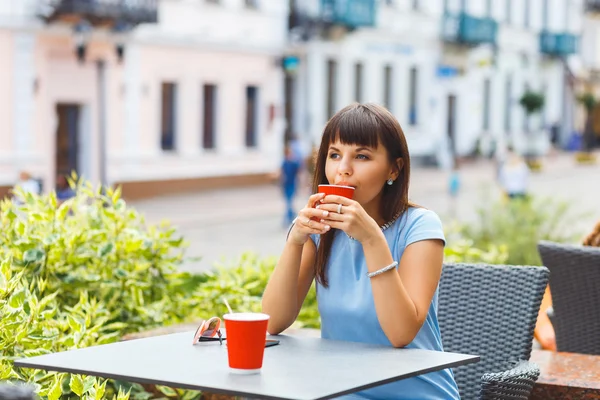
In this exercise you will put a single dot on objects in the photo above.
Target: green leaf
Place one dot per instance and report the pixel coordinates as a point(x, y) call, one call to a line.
point(33, 255)
point(100, 390)
point(11, 215)
point(17, 299)
point(56, 389)
point(122, 395)
point(88, 383)
point(167, 391)
point(104, 250)
point(76, 385)
point(75, 324)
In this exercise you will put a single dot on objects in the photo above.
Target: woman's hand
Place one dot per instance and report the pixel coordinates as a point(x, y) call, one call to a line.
point(307, 223)
point(349, 216)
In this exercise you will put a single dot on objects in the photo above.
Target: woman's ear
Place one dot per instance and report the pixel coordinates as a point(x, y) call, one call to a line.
point(398, 168)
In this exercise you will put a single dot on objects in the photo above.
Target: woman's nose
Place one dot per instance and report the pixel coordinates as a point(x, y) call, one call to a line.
point(345, 167)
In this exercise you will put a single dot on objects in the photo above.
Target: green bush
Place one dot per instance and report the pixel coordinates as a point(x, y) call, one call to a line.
point(242, 282)
point(84, 273)
point(519, 224)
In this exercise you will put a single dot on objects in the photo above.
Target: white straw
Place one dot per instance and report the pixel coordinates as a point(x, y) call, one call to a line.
point(227, 304)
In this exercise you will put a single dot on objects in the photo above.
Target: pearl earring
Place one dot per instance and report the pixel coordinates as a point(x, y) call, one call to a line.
point(390, 181)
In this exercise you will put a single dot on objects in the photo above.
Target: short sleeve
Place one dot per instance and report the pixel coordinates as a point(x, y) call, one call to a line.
point(424, 225)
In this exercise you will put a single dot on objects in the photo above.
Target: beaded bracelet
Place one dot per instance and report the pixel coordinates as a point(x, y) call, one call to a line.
point(382, 270)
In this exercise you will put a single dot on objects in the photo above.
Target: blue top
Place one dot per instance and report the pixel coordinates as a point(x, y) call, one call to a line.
point(348, 311)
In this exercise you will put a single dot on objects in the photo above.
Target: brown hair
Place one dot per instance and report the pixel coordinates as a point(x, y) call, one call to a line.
point(593, 239)
point(364, 125)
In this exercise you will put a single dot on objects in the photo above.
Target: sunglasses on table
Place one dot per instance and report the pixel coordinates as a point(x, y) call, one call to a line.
point(209, 331)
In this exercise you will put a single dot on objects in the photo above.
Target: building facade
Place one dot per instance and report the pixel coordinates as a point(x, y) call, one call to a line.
point(195, 101)
point(452, 71)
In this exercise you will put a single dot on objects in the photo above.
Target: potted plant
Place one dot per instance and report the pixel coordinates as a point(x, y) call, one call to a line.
point(532, 102)
point(589, 102)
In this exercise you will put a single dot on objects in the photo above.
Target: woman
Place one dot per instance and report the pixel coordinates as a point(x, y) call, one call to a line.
point(377, 259)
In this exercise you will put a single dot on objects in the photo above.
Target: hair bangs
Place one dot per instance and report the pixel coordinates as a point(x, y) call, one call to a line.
point(355, 126)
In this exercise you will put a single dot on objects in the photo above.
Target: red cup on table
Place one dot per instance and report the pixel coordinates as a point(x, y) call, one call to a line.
point(246, 335)
point(338, 190)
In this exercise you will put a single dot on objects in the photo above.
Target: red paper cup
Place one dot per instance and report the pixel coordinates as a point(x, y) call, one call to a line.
point(246, 335)
point(344, 191)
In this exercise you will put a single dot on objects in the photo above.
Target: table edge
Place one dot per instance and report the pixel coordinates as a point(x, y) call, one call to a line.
point(22, 363)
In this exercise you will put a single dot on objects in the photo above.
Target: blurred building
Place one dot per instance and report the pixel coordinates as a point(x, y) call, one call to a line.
point(589, 81)
point(452, 71)
point(156, 95)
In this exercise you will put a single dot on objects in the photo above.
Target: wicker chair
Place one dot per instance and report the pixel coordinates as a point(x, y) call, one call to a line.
point(575, 287)
point(491, 311)
point(16, 391)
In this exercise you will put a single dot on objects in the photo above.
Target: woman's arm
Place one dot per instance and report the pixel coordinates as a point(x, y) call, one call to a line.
point(288, 285)
point(402, 298)
point(294, 273)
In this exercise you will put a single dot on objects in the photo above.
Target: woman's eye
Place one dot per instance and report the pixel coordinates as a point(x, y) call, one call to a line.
point(333, 155)
point(362, 157)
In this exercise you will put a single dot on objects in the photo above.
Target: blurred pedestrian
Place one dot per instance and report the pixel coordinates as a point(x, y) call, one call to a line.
point(514, 176)
point(27, 184)
point(454, 188)
point(290, 169)
point(63, 189)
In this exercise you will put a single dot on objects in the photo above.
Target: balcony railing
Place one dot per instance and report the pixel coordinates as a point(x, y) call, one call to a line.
point(592, 5)
point(558, 44)
point(350, 13)
point(100, 11)
point(467, 29)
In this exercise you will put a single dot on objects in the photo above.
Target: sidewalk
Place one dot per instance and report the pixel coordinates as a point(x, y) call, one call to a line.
point(226, 222)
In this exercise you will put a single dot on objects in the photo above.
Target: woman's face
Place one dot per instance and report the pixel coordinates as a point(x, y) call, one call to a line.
point(364, 168)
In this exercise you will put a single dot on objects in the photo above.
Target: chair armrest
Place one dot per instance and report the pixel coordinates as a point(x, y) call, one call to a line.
point(16, 391)
point(514, 383)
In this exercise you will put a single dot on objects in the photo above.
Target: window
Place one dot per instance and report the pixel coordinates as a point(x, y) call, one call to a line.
point(544, 118)
point(387, 86)
point(251, 4)
point(331, 87)
point(358, 82)
point(527, 13)
point(168, 119)
point(412, 99)
point(486, 104)
point(209, 101)
point(251, 116)
point(488, 8)
point(508, 105)
point(213, 1)
point(415, 4)
point(509, 12)
point(463, 5)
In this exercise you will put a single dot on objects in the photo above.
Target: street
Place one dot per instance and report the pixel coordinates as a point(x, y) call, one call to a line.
point(221, 224)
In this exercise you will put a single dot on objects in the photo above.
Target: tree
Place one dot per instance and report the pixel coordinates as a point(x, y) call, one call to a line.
point(532, 102)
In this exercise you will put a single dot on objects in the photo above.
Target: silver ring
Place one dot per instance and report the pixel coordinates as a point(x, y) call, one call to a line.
point(339, 210)
point(307, 223)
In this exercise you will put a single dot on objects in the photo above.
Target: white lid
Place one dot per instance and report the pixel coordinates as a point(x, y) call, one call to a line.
point(246, 317)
